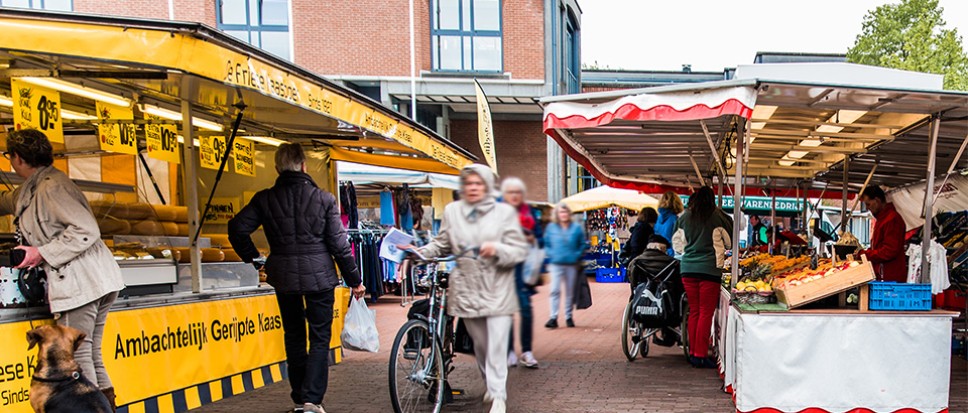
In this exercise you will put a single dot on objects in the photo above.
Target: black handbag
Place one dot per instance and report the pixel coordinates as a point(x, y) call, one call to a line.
point(583, 292)
point(33, 285)
point(463, 343)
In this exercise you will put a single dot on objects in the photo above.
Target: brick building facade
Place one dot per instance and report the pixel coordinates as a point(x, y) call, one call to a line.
point(519, 50)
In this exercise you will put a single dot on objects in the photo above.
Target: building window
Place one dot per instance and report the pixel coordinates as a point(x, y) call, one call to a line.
point(55, 5)
point(466, 36)
point(261, 23)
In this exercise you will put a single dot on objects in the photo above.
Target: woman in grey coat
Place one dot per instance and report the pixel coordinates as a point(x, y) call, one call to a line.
point(482, 289)
point(61, 236)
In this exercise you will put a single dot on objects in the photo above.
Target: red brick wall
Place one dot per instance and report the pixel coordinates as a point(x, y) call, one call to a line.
point(521, 151)
point(185, 10)
point(524, 54)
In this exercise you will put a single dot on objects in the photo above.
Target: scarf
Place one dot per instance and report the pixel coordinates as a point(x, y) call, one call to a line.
point(473, 212)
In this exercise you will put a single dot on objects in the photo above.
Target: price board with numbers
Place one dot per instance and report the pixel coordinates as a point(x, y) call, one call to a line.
point(36, 107)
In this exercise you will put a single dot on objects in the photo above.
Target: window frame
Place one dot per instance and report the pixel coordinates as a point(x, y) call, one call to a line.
point(250, 29)
point(461, 33)
point(41, 7)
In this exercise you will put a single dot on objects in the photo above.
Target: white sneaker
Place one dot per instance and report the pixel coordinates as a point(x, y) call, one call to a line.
point(314, 408)
point(528, 360)
point(487, 397)
point(512, 359)
point(499, 406)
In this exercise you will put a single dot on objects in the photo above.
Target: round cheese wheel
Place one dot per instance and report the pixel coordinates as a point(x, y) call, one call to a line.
point(212, 255)
point(147, 227)
point(165, 212)
point(181, 214)
point(163, 253)
point(183, 255)
point(231, 256)
point(113, 226)
point(182, 230)
point(218, 240)
point(102, 209)
point(139, 211)
point(170, 229)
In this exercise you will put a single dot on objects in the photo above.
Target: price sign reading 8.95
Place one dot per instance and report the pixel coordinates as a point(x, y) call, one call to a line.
point(35, 107)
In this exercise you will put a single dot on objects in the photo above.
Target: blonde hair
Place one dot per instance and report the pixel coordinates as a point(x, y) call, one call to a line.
point(671, 201)
point(290, 157)
point(561, 206)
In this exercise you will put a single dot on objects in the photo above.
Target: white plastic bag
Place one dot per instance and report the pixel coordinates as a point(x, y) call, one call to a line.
point(532, 266)
point(359, 328)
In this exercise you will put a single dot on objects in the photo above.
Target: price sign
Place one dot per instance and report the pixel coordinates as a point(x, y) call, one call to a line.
point(243, 153)
point(222, 210)
point(36, 107)
point(112, 136)
point(211, 149)
point(162, 141)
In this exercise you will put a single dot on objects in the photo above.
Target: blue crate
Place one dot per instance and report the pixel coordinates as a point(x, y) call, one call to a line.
point(610, 275)
point(891, 296)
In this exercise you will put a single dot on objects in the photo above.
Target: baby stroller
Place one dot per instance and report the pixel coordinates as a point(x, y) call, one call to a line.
point(658, 304)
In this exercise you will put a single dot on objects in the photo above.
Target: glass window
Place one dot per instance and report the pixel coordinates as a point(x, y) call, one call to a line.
point(58, 5)
point(55, 5)
point(262, 23)
point(466, 36)
point(17, 3)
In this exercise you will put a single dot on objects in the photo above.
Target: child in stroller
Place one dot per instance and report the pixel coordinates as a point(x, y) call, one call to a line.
point(657, 269)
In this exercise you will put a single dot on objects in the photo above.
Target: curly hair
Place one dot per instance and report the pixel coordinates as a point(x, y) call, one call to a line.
point(31, 146)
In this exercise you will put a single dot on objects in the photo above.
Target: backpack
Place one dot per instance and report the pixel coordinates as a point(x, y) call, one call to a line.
point(653, 309)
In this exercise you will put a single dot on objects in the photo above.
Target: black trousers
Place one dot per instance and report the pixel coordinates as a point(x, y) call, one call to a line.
point(308, 372)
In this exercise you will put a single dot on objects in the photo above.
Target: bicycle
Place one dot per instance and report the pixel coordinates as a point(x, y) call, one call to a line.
point(423, 349)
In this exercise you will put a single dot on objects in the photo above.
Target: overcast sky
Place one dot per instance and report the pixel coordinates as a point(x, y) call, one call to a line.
point(714, 34)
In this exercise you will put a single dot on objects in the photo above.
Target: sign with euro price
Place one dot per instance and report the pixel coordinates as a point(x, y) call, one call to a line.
point(162, 140)
point(115, 137)
point(36, 107)
point(211, 149)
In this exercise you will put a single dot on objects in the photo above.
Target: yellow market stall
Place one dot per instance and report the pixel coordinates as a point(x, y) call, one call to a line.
point(169, 128)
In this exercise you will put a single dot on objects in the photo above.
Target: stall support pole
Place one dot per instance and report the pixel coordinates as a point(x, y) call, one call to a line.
point(929, 198)
point(190, 182)
point(737, 203)
point(773, 215)
point(720, 189)
point(843, 206)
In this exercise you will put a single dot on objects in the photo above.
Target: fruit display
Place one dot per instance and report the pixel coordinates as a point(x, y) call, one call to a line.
point(806, 276)
point(776, 263)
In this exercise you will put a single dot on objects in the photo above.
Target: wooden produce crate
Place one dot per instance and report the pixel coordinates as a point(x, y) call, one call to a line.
point(796, 296)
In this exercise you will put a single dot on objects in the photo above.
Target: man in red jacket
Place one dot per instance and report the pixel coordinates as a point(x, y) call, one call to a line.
point(887, 242)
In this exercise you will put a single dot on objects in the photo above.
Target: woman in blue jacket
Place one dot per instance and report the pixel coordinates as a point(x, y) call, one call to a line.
point(670, 206)
point(565, 246)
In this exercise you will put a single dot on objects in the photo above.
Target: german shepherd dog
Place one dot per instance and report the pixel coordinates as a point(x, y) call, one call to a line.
point(58, 385)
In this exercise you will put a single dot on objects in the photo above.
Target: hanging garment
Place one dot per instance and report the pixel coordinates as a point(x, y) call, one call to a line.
point(937, 256)
point(439, 199)
point(403, 208)
point(387, 214)
point(350, 205)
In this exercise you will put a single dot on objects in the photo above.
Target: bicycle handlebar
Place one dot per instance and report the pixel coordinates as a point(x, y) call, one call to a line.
point(420, 257)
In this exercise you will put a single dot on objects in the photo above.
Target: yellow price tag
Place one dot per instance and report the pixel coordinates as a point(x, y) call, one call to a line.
point(243, 155)
point(36, 107)
point(112, 136)
point(222, 210)
point(162, 141)
point(211, 149)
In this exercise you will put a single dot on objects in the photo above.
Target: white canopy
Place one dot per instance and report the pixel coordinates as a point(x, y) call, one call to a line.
point(606, 196)
point(360, 174)
point(909, 200)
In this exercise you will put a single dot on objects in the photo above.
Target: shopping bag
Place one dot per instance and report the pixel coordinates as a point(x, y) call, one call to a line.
point(583, 292)
point(463, 343)
point(531, 271)
point(359, 328)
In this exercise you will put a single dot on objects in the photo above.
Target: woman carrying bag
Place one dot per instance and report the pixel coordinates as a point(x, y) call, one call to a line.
point(513, 193)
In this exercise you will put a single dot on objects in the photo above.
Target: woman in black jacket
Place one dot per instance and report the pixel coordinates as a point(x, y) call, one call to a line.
point(641, 231)
point(307, 241)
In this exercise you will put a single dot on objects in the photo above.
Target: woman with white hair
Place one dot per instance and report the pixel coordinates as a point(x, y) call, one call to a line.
point(513, 193)
point(482, 289)
point(565, 245)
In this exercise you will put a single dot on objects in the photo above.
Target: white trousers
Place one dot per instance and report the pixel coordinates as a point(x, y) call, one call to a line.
point(490, 335)
point(567, 275)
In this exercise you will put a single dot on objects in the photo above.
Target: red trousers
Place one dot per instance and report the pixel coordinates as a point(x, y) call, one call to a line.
point(703, 296)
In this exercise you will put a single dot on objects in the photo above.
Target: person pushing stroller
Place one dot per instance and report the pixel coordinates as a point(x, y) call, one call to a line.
point(653, 265)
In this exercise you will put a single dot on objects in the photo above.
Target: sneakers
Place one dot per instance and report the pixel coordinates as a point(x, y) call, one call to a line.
point(570, 323)
point(528, 360)
point(313, 408)
point(553, 323)
point(512, 359)
point(298, 409)
point(499, 406)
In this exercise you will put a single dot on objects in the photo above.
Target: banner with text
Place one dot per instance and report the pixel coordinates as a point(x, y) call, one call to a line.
point(211, 149)
point(485, 129)
point(243, 155)
point(162, 141)
point(36, 107)
point(113, 137)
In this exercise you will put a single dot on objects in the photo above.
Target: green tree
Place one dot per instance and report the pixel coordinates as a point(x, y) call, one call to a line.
point(911, 35)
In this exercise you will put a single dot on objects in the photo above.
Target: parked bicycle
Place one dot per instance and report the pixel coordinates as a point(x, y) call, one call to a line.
point(423, 350)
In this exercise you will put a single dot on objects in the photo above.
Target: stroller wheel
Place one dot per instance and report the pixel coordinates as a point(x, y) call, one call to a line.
point(644, 348)
point(631, 334)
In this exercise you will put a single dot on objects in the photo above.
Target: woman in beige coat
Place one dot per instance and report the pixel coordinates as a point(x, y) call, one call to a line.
point(482, 289)
point(61, 236)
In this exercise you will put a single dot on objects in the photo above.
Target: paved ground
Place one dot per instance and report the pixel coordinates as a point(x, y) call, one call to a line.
point(582, 370)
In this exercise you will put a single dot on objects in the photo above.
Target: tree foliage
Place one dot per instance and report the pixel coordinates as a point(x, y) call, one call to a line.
point(911, 35)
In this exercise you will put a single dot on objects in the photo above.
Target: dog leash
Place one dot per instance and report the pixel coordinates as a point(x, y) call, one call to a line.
point(76, 375)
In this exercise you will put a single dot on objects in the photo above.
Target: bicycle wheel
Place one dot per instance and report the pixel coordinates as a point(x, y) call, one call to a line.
point(631, 334)
point(416, 368)
point(684, 327)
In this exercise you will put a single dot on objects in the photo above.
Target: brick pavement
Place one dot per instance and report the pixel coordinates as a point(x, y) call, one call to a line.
point(582, 370)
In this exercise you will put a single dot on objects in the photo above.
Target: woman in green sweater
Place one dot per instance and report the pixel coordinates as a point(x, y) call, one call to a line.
point(702, 237)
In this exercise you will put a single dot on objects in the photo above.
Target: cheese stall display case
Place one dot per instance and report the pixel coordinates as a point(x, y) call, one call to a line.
point(169, 128)
point(809, 131)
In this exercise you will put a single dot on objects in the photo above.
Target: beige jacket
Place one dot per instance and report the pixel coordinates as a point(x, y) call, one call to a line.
point(480, 287)
point(56, 218)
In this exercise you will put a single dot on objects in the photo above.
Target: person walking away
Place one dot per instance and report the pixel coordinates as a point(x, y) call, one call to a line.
point(670, 206)
point(641, 231)
point(60, 235)
point(887, 241)
point(513, 192)
point(307, 242)
point(565, 245)
point(482, 289)
point(703, 236)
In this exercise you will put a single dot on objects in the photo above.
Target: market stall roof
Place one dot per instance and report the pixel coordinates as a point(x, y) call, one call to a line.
point(154, 65)
point(606, 196)
point(367, 174)
point(654, 138)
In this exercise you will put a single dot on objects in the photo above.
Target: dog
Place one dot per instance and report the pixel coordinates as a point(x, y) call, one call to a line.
point(58, 384)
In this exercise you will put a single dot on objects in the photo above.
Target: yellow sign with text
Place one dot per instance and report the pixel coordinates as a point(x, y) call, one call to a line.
point(222, 210)
point(113, 137)
point(243, 157)
point(162, 141)
point(36, 107)
point(211, 149)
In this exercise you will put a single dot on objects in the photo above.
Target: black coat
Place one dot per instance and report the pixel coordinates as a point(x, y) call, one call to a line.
point(306, 237)
point(639, 238)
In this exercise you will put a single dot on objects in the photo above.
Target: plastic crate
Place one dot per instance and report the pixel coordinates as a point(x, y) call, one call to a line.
point(891, 296)
point(610, 275)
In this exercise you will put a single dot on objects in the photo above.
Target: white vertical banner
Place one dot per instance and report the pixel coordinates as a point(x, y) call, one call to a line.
point(485, 129)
